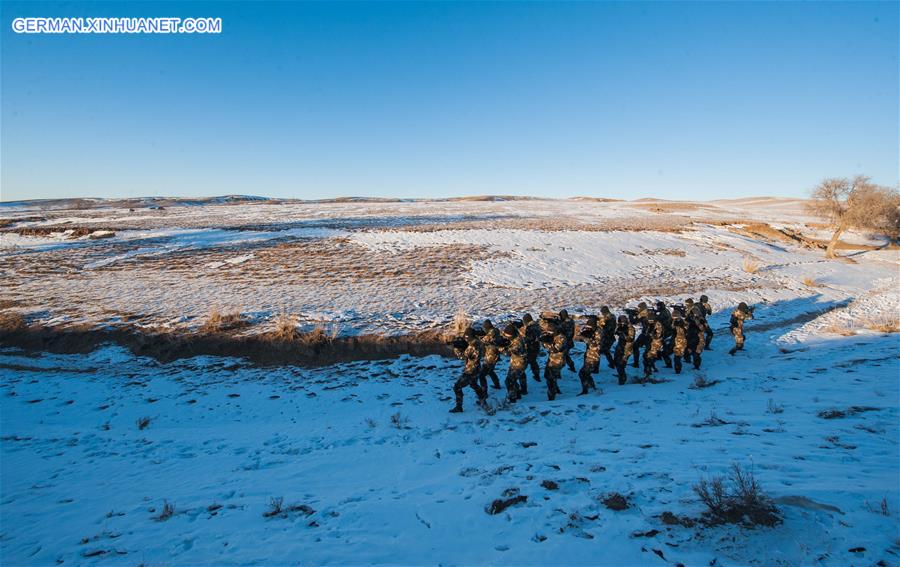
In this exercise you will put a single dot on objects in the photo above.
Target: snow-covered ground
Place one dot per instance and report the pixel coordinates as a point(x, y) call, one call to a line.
point(390, 477)
point(369, 465)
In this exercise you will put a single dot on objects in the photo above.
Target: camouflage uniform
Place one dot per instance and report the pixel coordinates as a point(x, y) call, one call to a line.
point(696, 335)
point(664, 316)
point(491, 342)
point(516, 381)
point(737, 326)
point(655, 334)
point(679, 340)
point(567, 327)
point(641, 340)
point(624, 346)
point(707, 309)
point(555, 342)
point(531, 332)
point(592, 336)
point(607, 329)
point(471, 356)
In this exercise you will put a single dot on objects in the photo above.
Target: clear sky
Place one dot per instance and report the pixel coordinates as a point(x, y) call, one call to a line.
point(310, 100)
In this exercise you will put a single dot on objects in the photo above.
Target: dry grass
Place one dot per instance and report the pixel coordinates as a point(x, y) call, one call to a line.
point(285, 328)
point(11, 321)
point(738, 499)
point(750, 266)
point(218, 321)
point(811, 282)
point(843, 329)
point(461, 321)
point(883, 324)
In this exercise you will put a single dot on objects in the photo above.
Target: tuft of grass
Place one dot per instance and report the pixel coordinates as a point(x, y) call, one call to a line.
point(811, 282)
point(285, 328)
point(461, 321)
point(737, 499)
point(218, 321)
point(398, 421)
point(883, 324)
point(842, 329)
point(276, 507)
point(143, 423)
point(750, 266)
point(774, 408)
point(168, 510)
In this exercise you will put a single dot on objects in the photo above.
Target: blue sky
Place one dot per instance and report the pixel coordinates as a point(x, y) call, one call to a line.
point(311, 100)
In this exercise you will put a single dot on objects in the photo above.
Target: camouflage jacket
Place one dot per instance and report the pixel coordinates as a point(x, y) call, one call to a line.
point(593, 346)
point(531, 333)
point(471, 356)
point(517, 353)
point(491, 342)
point(556, 351)
point(567, 328)
point(656, 332)
point(625, 344)
point(679, 333)
point(737, 318)
point(707, 308)
point(608, 325)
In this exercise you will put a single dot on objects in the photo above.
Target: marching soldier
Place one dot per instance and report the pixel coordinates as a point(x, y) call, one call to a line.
point(491, 342)
point(516, 381)
point(607, 328)
point(696, 335)
point(592, 336)
point(664, 316)
point(641, 341)
point(624, 346)
point(567, 327)
point(531, 332)
point(654, 341)
point(737, 326)
point(679, 338)
point(707, 309)
point(468, 349)
point(555, 342)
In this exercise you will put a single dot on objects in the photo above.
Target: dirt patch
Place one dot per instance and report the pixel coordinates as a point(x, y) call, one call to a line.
point(262, 350)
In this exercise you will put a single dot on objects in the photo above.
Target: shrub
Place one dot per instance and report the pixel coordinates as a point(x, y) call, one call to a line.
point(737, 499)
point(275, 507)
point(218, 321)
point(143, 423)
point(285, 327)
point(168, 510)
point(11, 321)
point(774, 408)
point(811, 282)
point(750, 266)
point(883, 324)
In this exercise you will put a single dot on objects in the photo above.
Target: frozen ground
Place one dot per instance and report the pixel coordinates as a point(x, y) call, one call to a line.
point(370, 466)
point(390, 477)
point(397, 267)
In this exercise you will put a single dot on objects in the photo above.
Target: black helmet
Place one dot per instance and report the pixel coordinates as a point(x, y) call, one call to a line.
point(563, 314)
point(510, 331)
point(487, 325)
point(660, 305)
point(527, 318)
point(623, 319)
point(469, 334)
point(642, 305)
point(689, 301)
point(677, 313)
point(703, 299)
point(604, 310)
point(743, 306)
point(591, 321)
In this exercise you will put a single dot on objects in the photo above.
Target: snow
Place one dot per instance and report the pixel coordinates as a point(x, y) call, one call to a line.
point(79, 477)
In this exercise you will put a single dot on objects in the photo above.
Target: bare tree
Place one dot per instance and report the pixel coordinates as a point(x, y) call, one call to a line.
point(856, 203)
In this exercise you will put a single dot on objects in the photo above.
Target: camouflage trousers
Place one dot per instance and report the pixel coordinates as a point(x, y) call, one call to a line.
point(552, 375)
point(516, 383)
point(738, 337)
point(532, 357)
point(487, 369)
point(470, 380)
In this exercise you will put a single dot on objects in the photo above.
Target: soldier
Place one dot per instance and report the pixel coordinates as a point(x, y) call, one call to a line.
point(607, 329)
point(592, 336)
point(654, 342)
point(679, 337)
point(641, 341)
point(624, 346)
point(696, 335)
point(664, 316)
point(737, 326)
point(555, 342)
point(567, 326)
point(707, 309)
point(468, 348)
point(490, 340)
point(688, 311)
point(516, 381)
point(531, 332)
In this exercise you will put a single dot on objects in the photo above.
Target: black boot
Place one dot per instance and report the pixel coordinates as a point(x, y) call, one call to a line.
point(456, 409)
point(732, 351)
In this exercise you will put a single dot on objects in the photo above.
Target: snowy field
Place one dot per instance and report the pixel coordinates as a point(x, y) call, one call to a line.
point(109, 458)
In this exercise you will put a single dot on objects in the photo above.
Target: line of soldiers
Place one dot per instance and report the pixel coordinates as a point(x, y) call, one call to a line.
point(675, 336)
